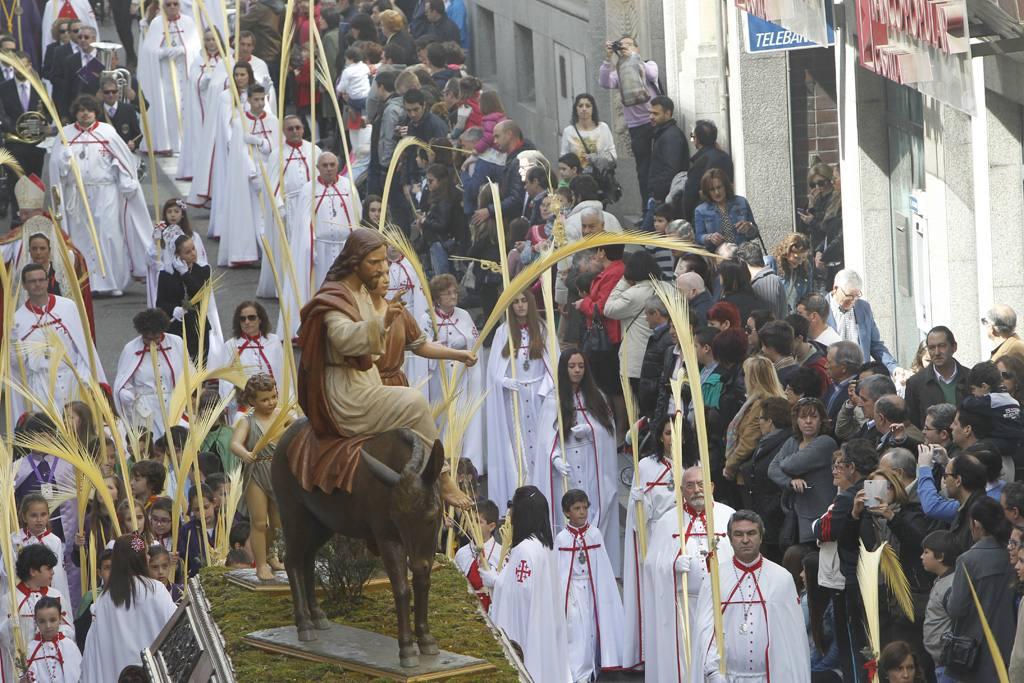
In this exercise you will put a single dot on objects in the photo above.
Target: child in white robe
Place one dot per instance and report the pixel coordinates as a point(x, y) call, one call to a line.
point(34, 514)
point(526, 593)
point(52, 656)
point(34, 568)
point(131, 612)
point(467, 558)
point(593, 608)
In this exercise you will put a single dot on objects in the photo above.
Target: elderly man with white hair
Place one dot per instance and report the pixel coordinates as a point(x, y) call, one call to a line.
point(1000, 323)
point(851, 317)
point(335, 213)
point(691, 284)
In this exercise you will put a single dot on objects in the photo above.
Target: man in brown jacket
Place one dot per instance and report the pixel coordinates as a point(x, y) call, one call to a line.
point(263, 18)
point(1000, 323)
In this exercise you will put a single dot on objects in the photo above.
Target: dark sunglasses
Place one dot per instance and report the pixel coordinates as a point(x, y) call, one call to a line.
point(246, 318)
point(821, 183)
point(109, 92)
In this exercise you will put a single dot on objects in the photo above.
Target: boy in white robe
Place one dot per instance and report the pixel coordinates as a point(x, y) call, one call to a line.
point(527, 598)
point(593, 609)
point(52, 656)
point(34, 513)
point(467, 559)
point(35, 572)
point(664, 624)
point(763, 625)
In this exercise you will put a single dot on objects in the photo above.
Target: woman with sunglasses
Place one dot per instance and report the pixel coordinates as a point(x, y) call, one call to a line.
point(822, 220)
point(257, 348)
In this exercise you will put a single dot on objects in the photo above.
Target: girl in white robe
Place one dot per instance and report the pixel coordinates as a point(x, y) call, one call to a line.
point(34, 513)
point(52, 657)
point(527, 600)
point(197, 102)
point(588, 460)
point(403, 281)
point(515, 387)
point(225, 167)
point(653, 489)
point(456, 330)
point(129, 615)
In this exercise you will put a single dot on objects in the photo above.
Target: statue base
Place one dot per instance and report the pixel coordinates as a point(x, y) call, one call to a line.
point(246, 578)
point(364, 652)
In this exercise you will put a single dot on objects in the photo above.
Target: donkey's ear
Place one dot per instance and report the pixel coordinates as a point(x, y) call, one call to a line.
point(433, 469)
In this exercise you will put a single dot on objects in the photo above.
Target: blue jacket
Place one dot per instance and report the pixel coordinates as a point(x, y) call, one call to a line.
point(801, 277)
point(869, 338)
point(706, 220)
point(934, 504)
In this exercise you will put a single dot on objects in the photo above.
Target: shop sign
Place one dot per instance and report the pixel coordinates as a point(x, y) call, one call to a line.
point(764, 36)
point(922, 44)
point(803, 18)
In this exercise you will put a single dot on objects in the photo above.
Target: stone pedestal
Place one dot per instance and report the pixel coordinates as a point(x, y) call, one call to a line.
point(364, 652)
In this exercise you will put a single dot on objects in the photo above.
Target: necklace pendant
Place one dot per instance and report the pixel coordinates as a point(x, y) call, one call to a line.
point(526, 364)
point(744, 627)
point(582, 559)
point(81, 155)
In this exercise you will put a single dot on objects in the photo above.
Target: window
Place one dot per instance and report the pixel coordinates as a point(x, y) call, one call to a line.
point(525, 87)
point(487, 61)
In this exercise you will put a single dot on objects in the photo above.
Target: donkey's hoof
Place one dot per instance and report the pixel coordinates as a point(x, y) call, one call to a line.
point(321, 623)
point(408, 656)
point(307, 635)
point(428, 645)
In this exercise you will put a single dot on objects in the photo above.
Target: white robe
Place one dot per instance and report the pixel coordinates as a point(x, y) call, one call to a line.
point(774, 644)
point(526, 605)
point(22, 538)
point(135, 388)
point(534, 377)
point(657, 497)
point(402, 280)
point(593, 608)
point(295, 195)
point(664, 630)
point(197, 102)
point(457, 331)
point(261, 75)
point(464, 557)
point(236, 207)
point(52, 9)
point(591, 455)
point(154, 75)
point(335, 214)
point(119, 634)
point(30, 364)
point(225, 167)
point(264, 130)
point(27, 599)
point(63, 475)
point(123, 224)
point(262, 354)
point(54, 661)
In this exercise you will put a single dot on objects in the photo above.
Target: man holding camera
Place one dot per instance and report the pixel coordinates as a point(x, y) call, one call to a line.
point(638, 116)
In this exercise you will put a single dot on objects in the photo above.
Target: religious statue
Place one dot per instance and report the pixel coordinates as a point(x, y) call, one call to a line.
point(366, 461)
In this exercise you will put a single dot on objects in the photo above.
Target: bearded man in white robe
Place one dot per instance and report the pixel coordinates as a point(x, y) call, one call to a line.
point(171, 44)
point(762, 623)
point(110, 174)
point(294, 190)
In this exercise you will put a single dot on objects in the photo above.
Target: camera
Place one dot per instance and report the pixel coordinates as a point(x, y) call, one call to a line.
point(617, 46)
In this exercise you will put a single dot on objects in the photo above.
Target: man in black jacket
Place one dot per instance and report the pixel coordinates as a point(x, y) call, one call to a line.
point(945, 380)
point(653, 365)
point(670, 155)
point(708, 156)
point(508, 136)
point(121, 115)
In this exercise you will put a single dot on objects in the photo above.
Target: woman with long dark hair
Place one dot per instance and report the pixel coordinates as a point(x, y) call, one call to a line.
point(587, 136)
point(131, 612)
point(444, 224)
point(526, 602)
point(518, 380)
point(582, 454)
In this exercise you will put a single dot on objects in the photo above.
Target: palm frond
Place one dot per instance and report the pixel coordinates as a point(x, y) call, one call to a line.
point(282, 419)
point(990, 640)
point(7, 555)
point(7, 160)
point(403, 144)
point(896, 580)
point(868, 562)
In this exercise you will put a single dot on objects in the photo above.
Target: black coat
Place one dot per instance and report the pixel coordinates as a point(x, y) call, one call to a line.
point(125, 121)
point(72, 84)
point(29, 156)
point(923, 392)
point(670, 153)
point(703, 161)
point(761, 492)
point(651, 369)
point(444, 221)
point(172, 290)
point(510, 186)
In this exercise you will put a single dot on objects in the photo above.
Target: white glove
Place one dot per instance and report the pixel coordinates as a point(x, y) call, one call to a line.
point(251, 139)
point(158, 234)
point(580, 430)
point(179, 313)
point(636, 494)
point(560, 465)
point(511, 384)
point(172, 52)
point(683, 564)
point(488, 576)
point(179, 266)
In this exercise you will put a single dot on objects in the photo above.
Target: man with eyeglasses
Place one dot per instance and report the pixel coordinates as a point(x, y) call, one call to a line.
point(1000, 323)
point(667, 572)
point(123, 116)
point(78, 10)
point(158, 56)
point(852, 318)
point(79, 72)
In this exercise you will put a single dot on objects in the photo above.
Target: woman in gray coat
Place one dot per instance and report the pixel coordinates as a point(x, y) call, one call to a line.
point(988, 564)
point(803, 467)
